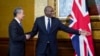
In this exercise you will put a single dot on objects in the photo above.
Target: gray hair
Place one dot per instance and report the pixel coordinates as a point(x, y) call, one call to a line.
point(16, 11)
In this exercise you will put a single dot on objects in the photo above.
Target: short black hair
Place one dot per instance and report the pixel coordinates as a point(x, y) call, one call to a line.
point(47, 7)
point(16, 11)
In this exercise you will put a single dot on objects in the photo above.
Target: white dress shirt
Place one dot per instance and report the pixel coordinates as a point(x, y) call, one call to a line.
point(46, 24)
point(17, 20)
point(46, 21)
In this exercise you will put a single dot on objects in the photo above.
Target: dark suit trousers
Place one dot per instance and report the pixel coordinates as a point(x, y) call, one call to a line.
point(48, 51)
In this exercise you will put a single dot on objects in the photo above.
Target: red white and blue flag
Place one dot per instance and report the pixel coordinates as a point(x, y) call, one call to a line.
point(80, 20)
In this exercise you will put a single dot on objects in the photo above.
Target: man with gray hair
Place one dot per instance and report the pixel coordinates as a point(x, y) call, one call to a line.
point(17, 37)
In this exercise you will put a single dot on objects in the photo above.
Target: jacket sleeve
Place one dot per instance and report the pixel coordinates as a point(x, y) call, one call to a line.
point(14, 35)
point(34, 29)
point(67, 29)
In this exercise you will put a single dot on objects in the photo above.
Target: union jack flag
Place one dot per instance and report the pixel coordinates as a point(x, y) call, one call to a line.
point(80, 20)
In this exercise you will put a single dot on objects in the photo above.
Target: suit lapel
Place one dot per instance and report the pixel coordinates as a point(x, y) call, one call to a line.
point(52, 24)
point(18, 25)
point(43, 23)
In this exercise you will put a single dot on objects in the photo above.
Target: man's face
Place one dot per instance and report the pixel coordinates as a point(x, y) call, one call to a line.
point(21, 15)
point(49, 12)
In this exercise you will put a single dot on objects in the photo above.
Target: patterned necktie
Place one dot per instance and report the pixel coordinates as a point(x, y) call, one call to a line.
point(48, 25)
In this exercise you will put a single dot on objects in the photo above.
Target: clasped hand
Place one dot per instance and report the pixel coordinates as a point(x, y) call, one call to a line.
point(27, 36)
point(84, 32)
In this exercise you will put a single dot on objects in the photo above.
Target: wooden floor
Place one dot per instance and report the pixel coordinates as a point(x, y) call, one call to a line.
point(64, 47)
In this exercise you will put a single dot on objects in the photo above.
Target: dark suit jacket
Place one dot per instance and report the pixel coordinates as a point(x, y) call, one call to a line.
point(16, 39)
point(44, 36)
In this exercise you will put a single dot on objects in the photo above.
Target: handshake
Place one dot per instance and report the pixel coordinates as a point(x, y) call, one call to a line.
point(28, 36)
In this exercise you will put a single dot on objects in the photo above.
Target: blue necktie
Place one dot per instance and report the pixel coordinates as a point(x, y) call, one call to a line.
point(48, 25)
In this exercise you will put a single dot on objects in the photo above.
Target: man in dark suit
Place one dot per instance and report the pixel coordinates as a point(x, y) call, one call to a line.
point(47, 27)
point(16, 34)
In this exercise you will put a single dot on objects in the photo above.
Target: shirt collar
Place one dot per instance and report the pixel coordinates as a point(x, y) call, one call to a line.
point(47, 17)
point(17, 20)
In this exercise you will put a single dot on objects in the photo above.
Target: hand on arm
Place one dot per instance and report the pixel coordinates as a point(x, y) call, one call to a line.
point(84, 32)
